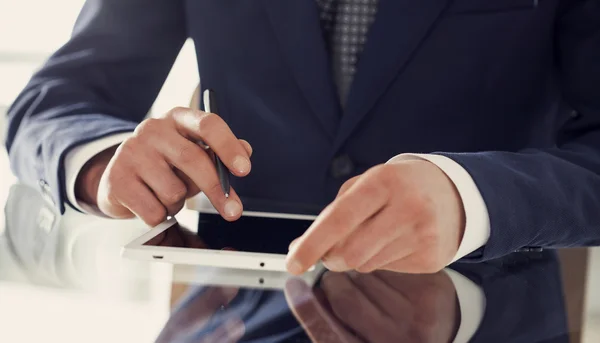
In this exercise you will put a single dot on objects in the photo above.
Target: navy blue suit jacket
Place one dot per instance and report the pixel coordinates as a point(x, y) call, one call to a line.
point(506, 88)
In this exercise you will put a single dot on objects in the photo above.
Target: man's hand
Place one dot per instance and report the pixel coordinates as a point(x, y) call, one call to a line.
point(379, 307)
point(405, 217)
point(152, 173)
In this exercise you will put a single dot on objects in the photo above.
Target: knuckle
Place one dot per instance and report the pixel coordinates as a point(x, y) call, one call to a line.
point(128, 148)
point(175, 111)
point(385, 172)
point(207, 122)
point(188, 154)
point(175, 194)
point(377, 181)
point(116, 181)
point(148, 127)
point(178, 109)
point(347, 185)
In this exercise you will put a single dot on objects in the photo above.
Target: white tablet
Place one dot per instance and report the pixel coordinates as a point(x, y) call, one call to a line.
point(241, 278)
point(169, 242)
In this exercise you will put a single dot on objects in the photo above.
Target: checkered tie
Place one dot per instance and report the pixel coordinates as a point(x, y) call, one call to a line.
point(345, 25)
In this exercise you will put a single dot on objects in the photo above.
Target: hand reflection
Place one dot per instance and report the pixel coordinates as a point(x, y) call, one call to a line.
point(378, 307)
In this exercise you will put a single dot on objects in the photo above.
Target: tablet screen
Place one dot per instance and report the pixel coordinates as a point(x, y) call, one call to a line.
point(249, 234)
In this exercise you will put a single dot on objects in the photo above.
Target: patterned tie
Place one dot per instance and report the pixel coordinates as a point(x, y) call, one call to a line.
point(345, 25)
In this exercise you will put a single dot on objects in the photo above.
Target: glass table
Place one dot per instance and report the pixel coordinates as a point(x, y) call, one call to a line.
point(62, 279)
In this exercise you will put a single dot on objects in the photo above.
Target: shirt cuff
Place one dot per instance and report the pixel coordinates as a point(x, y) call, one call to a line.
point(471, 303)
point(477, 220)
point(78, 157)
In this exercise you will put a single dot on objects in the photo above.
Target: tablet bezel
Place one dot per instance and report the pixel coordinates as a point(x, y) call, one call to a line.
point(207, 257)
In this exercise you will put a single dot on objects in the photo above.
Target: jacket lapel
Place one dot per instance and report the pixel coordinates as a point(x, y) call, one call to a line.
point(399, 27)
point(296, 25)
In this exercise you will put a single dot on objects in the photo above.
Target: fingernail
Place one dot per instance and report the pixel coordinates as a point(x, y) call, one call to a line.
point(293, 266)
point(241, 164)
point(293, 244)
point(232, 208)
point(336, 264)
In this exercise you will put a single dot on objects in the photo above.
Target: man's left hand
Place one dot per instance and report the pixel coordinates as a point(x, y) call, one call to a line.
point(406, 217)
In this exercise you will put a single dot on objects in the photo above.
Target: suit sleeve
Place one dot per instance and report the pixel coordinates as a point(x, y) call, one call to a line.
point(551, 197)
point(103, 81)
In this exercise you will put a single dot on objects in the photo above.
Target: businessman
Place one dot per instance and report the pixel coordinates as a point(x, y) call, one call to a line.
point(428, 131)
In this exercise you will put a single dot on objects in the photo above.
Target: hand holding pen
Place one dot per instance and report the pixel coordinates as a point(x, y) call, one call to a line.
point(153, 171)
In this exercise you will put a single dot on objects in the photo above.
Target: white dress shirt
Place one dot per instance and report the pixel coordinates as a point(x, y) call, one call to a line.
point(477, 222)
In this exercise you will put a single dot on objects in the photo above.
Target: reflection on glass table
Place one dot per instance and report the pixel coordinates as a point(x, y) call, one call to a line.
point(515, 299)
point(524, 297)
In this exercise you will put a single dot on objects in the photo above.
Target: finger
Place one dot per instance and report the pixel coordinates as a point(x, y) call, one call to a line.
point(214, 132)
point(192, 188)
point(231, 332)
point(165, 184)
point(195, 163)
point(353, 308)
point(337, 221)
point(395, 250)
point(318, 323)
point(136, 197)
point(365, 242)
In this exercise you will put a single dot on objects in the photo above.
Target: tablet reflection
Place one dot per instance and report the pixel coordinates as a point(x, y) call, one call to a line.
point(490, 302)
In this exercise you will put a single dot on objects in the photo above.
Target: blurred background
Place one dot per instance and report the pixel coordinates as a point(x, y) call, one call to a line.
point(132, 306)
point(125, 305)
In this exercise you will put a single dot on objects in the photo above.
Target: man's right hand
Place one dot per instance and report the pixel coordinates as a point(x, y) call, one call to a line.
point(151, 174)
